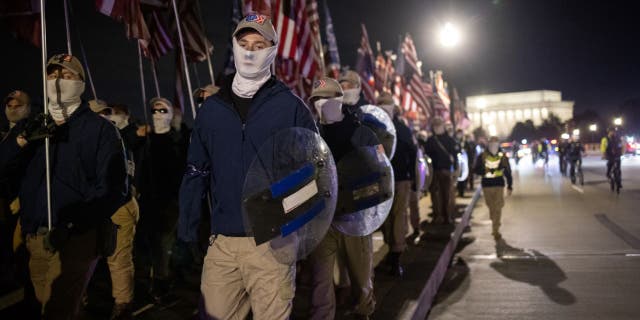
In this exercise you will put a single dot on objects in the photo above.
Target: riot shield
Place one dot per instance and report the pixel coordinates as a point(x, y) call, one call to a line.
point(382, 125)
point(365, 191)
point(463, 166)
point(421, 171)
point(290, 193)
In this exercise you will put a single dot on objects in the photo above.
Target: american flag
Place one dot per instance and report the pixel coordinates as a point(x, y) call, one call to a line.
point(334, 55)
point(23, 19)
point(128, 12)
point(256, 6)
point(160, 42)
point(285, 24)
point(196, 44)
point(365, 67)
point(236, 15)
point(413, 75)
point(310, 45)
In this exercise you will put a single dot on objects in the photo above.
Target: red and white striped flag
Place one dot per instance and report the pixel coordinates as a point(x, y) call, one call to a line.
point(160, 42)
point(285, 24)
point(196, 44)
point(414, 81)
point(128, 12)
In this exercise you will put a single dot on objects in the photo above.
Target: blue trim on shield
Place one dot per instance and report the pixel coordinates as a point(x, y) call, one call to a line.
point(368, 203)
point(300, 221)
point(292, 181)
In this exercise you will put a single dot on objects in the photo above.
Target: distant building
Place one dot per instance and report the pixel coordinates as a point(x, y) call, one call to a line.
point(498, 113)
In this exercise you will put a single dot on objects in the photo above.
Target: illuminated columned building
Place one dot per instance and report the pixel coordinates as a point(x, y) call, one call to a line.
point(498, 113)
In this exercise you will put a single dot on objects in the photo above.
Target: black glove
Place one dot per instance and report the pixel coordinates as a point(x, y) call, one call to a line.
point(35, 129)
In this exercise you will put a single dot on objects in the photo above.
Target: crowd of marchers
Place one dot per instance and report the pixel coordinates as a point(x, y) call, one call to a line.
point(84, 182)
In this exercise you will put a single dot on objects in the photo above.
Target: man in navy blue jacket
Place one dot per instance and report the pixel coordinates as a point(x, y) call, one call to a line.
point(228, 131)
point(88, 184)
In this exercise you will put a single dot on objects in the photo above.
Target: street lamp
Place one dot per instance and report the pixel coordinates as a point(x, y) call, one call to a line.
point(576, 132)
point(593, 128)
point(449, 35)
point(617, 121)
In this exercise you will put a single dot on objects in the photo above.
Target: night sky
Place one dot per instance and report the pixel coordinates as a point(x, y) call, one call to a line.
point(589, 50)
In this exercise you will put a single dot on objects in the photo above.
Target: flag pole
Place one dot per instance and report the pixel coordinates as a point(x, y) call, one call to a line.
point(154, 73)
point(43, 36)
point(143, 91)
point(66, 22)
point(184, 60)
point(82, 51)
point(206, 44)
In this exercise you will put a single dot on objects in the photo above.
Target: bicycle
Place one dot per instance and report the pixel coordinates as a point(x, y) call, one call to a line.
point(615, 179)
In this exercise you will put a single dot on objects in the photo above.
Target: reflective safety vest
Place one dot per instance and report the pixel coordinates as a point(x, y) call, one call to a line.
point(492, 167)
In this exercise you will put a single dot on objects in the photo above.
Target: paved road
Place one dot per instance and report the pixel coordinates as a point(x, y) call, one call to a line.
point(570, 252)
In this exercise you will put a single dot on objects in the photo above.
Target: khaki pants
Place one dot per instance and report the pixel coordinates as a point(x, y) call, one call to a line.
point(440, 189)
point(357, 254)
point(414, 210)
point(121, 261)
point(395, 227)
point(238, 276)
point(494, 197)
point(60, 278)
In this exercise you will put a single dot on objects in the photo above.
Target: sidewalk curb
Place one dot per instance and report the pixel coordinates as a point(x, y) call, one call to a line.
point(422, 306)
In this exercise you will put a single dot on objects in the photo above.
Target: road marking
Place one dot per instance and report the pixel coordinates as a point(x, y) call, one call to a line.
point(143, 309)
point(577, 188)
point(627, 237)
point(632, 254)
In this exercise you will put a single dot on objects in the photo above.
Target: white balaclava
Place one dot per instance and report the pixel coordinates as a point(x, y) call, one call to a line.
point(351, 96)
point(16, 114)
point(120, 120)
point(253, 69)
point(329, 110)
point(162, 121)
point(64, 97)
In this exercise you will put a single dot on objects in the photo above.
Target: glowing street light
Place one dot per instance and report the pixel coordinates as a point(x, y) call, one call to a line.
point(576, 132)
point(617, 121)
point(449, 35)
point(593, 127)
point(565, 136)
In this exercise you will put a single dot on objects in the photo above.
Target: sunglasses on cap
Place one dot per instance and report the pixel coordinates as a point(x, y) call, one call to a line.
point(154, 111)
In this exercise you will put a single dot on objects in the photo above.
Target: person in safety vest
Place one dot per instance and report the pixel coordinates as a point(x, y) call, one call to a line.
point(493, 166)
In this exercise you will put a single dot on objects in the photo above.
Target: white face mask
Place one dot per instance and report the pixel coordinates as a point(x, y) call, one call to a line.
point(16, 114)
point(438, 130)
point(351, 96)
point(494, 147)
point(388, 108)
point(253, 69)
point(64, 102)
point(162, 122)
point(119, 120)
point(329, 110)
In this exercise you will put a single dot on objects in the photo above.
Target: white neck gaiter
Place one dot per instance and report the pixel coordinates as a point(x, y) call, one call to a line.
point(162, 122)
point(119, 120)
point(351, 96)
point(329, 110)
point(64, 97)
point(253, 69)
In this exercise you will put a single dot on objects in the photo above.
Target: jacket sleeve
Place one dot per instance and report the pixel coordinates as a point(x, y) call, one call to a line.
point(304, 118)
point(194, 187)
point(479, 168)
point(110, 188)
point(413, 151)
point(507, 172)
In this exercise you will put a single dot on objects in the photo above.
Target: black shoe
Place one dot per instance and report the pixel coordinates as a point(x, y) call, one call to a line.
point(159, 289)
point(394, 261)
point(122, 311)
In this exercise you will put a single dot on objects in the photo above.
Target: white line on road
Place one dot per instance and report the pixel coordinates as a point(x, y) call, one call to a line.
point(577, 188)
point(143, 309)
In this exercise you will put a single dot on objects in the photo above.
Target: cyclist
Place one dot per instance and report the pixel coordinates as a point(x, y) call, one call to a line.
point(574, 154)
point(611, 147)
